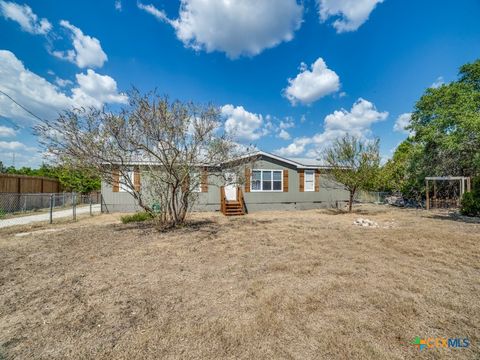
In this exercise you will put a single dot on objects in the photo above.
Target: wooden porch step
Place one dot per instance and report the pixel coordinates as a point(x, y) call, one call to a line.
point(238, 213)
point(234, 209)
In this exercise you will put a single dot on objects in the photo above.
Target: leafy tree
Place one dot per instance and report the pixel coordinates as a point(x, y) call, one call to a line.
point(446, 124)
point(445, 138)
point(354, 163)
point(82, 181)
point(71, 179)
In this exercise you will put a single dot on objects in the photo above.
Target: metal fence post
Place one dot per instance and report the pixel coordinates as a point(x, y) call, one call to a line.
point(51, 209)
point(90, 198)
point(74, 205)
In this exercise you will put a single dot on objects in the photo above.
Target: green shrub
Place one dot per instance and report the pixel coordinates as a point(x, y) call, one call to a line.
point(470, 204)
point(137, 217)
point(2, 213)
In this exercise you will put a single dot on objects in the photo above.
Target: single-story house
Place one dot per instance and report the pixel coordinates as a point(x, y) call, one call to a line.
point(271, 182)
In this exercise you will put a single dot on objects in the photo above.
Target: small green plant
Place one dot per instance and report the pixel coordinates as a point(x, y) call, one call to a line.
point(2, 216)
point(470, 204)
point(137, 217)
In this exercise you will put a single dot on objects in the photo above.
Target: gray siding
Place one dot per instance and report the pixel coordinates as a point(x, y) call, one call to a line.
point(117, 201)
point(330, 194)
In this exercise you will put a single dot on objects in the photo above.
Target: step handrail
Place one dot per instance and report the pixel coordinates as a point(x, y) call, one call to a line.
point(223, 200)
point(241, 199)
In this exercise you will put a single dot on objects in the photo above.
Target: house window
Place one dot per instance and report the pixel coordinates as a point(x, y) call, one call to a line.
point(126, 182)
point(256, 180)
point(267, 180)
point(309, 180)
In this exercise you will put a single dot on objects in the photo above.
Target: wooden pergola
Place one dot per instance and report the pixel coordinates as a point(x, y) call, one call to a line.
point(464, 185)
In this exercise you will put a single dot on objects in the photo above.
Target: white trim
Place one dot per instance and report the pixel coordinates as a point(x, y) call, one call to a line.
point(261, 181)
point(305, 180)
point(256, 153)
point(231, 186)
point(284, 160)
point(123, 186)
point(446, 178)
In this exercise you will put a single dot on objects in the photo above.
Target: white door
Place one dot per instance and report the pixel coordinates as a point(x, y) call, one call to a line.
point(231, 186)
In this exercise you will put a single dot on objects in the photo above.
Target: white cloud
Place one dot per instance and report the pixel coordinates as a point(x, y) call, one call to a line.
point(118, 5)
point(25, 156)
point(297, 147)
point(283, 134)
point(286, 123)
point(356, 122)
point(437, 83)
point(402, 122)
point(349, 15)
point(159, 14)
point(44, 98)
point(6, 131)
point(362, 114)
point(86, 52)
point(24, 16)
point(12, 145)
point(243, 124)
point(310, 85)
point(63, 82)
point(95, 90)
point(237, 28)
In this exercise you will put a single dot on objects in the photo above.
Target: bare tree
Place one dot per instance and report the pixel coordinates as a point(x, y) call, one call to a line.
point(169, 143)
point(354, 163)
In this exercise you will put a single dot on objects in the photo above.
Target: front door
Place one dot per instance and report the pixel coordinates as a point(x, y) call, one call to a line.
point(231, 186)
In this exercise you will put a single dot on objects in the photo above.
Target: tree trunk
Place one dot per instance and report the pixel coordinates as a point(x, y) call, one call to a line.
point(350, 203)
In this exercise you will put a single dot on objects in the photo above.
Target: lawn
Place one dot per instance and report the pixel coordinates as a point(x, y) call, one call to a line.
point(271, 285)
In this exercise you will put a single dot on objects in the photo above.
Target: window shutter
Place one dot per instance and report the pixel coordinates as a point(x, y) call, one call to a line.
point(317, 180)
point(247, 180)
point(204, 180)
point(285, 180)
point(115, 180)
point(301, 180)
point(136, 179)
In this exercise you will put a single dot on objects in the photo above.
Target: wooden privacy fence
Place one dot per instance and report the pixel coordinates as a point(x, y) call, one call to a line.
point(28, 184)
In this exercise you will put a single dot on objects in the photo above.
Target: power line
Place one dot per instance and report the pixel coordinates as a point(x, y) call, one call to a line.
point(23, 107)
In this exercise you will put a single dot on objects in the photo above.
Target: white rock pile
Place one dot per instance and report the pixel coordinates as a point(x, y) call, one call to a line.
point(365, 223)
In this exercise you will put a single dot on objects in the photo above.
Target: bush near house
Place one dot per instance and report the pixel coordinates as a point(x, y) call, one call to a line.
point(137, 217)
point(470, 203)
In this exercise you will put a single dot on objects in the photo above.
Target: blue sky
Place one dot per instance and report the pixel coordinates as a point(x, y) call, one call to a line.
point(289, 77)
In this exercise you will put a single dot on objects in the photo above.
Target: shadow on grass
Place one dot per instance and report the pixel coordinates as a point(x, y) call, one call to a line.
point(357, 211)
point(146, 227)
point(454, 216)
point(250, 221)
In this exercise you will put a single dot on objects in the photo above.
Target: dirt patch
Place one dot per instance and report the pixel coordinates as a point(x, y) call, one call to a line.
point(294, 285)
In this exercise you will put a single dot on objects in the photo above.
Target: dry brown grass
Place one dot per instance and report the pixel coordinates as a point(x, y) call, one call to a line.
point(278, 285)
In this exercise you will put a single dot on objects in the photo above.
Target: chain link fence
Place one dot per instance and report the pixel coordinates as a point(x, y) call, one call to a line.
point(371, 197)
point(23, 208)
